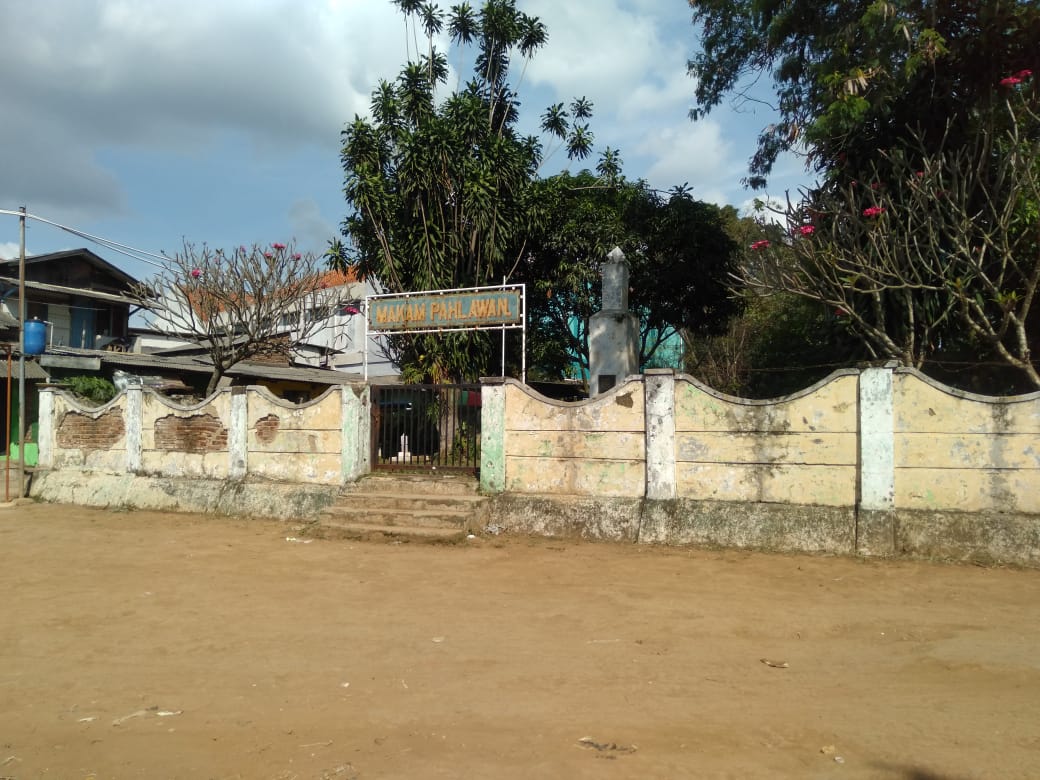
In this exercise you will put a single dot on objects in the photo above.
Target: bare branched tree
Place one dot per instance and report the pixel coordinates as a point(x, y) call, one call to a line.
point(939, 238)
point(240, 303)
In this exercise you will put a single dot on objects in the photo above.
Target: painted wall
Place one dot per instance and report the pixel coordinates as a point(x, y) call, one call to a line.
point(236, 432)
point(587, 448)
point(800, 449)
point(958, 451)
point(295, 443)
point(880, 439)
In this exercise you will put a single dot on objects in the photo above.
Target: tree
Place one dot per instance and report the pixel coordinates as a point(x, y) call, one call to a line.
point(850, 78)
point(876, 93)
point(439, 190)
point(678, 251)
point(778, 344)
point(237, 303)
point(939, 245)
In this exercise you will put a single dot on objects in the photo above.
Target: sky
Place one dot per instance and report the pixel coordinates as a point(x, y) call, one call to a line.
point(152, 123)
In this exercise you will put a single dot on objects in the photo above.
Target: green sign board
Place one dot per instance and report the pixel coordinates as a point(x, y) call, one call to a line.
point(449, 310)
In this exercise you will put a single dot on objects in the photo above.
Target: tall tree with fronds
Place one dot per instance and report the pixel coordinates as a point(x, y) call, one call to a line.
point(439, 186)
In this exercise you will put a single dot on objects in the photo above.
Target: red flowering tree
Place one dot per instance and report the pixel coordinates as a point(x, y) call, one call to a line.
point(238, 304)
point(942, 248)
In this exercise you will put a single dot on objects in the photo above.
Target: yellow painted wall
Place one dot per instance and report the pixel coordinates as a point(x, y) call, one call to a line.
point(303, 446)
point(799, 450)
point(587, 448)
point(956, 451)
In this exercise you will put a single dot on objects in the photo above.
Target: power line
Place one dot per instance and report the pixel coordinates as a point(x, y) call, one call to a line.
point(141, 255)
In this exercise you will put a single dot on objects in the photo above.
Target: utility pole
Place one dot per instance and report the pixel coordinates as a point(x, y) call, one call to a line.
point(21, 355)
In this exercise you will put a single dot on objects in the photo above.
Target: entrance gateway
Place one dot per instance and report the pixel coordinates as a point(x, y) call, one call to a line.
point(434, 427)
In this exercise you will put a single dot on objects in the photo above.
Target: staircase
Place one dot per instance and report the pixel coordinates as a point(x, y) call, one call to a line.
point(404, 507)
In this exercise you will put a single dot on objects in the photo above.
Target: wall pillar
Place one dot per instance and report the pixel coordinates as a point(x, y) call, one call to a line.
point(133, 418)
point(659, 390)
point(46, 430)
point(238, 434)
point(875, 530)
point(493, 435)
point(355, 431)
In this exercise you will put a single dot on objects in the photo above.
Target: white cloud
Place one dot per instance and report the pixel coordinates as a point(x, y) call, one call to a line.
point(172, 76)
point(222, 119)
point(9, 250)
point(696, 154)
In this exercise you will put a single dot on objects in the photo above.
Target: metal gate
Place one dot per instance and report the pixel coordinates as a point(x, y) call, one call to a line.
point(426, 427)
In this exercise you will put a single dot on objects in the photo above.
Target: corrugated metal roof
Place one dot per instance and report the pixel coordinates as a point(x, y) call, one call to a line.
point(202, 365)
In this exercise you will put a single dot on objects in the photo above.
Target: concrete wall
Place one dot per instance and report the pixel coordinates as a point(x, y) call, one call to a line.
point(882, 461)
point(296, 443)
point(588, 448)
point(956, 451)
point(800, 449)
point(183, 441)
point(233, 434)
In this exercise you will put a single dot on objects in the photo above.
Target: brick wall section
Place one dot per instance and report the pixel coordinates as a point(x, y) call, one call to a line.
point(80, 432)
point(267, 428)
point(200, 433)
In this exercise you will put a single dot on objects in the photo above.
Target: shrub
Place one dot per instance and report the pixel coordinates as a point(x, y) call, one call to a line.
point(91, 388)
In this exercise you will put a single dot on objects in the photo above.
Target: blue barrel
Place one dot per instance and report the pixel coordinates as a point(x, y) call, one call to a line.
point(35, 337)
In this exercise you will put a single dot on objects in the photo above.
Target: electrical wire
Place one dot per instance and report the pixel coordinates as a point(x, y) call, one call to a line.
point(141, 255)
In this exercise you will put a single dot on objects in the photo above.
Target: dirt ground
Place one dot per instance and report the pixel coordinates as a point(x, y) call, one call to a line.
point(141, 645)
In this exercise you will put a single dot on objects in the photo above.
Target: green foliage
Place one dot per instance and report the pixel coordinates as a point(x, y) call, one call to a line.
point(921, 221)
point(678, 249)
point(936, 260)
point(851, 77)
point(439, 190)
point(777, 345)
point(95, 389)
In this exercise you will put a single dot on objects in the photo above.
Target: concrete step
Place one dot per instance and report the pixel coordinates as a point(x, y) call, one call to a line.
point(330, 529)
point(433, 502)
point(423, 483)
point(442, 517)
point(403, 505)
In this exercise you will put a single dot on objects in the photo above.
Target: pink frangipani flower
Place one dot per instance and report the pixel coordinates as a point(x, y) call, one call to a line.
point(278, 247)
point(195, 273)
point(873, 211)
point(760, 244)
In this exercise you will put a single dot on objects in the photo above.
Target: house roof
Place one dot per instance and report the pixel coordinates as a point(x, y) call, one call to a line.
point(81, 254)
point(338, 278)
point(133, 361)
point(78, 291)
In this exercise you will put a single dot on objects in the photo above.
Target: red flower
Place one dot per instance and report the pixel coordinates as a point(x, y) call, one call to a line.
point(760, 244)
point(874, 185)
point(195, 273)
point(920, 174)
point(297, 256)
point(278, 247)
point(873, 211)
point(268, 256)
point(1010, 81)
point(804, 230)
point(1023, 74)
point(839, 312)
